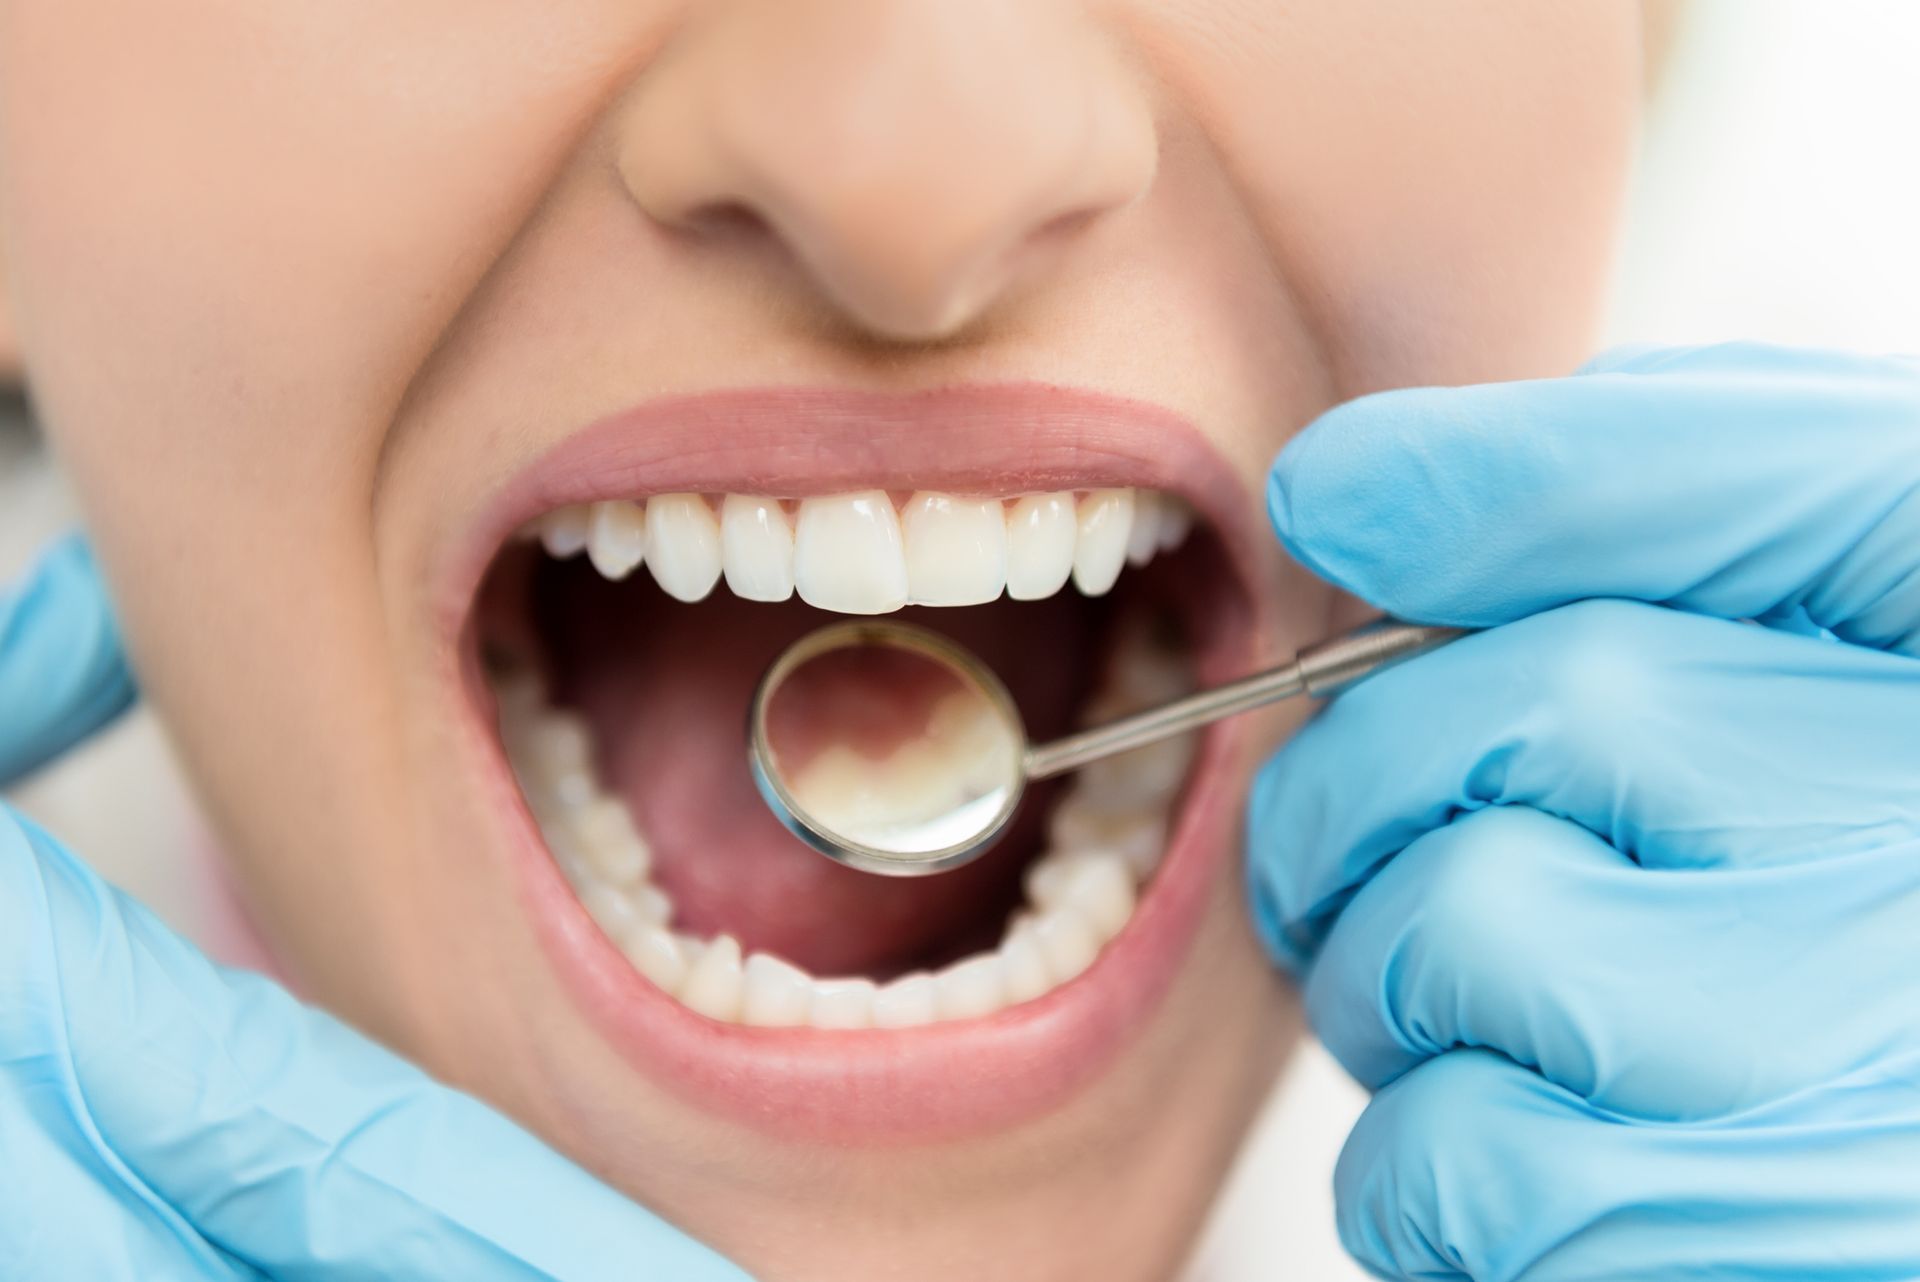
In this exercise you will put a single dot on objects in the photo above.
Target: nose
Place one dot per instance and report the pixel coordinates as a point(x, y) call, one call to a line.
point(917, 158)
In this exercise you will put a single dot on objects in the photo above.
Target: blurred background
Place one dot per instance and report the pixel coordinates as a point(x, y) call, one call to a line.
point(1778, 200)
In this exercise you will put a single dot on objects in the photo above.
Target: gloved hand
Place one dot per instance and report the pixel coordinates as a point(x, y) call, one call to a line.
point(161, 1117)
point(1616, 906)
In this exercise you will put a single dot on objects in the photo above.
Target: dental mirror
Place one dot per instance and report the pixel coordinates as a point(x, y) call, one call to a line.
point(893, 750)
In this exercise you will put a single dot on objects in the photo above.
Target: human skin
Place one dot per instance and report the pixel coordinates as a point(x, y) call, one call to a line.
point(298, 287)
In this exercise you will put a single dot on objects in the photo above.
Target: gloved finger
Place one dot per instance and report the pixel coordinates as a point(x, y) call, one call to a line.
point(1742, 480)
point(1471, 1167)
point(1683, 740)
point(1670, 996)
point(62, 673)
point(283, 1137)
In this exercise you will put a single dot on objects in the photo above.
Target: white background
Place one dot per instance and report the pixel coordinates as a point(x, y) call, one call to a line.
point(1779, 200)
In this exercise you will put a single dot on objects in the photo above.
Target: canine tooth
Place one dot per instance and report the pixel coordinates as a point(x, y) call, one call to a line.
point(971, 988)
point(848, 555)
point(1143, 538)
point(609, 842)
point(778, 995)
point(1106, 518)
point(905, 1003)
point(685, 545)
point(1067, 941)
point(563, 531)
point(1099, 886)
point(657, 955)
point(1023, 966)
point(1042, 530)
point(842, 1003)
point(713, 986)
point(1176, 522)
point(956, 549)
point(617, 538)
point(756, 548)
point(611, 910)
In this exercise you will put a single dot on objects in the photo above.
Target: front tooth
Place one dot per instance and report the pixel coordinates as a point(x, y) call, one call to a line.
point(1067, 941)
point(756, 548)
point(842, 1003)
point(1022, 965)
point(848, 554)
point(685, 551)
point(971, 988)
point(617, 538)
point(956, 549)
point(714, 986)
point(657, 955)
point(564, 530)
point(777, 994)
point(1041, 532)
point(907, 1002)
point(1143, 539)
point(1106, 519)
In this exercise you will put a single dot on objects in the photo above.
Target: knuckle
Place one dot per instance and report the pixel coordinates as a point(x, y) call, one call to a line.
point(1466, 879)
point(1406, 1184)
point(1596, 672)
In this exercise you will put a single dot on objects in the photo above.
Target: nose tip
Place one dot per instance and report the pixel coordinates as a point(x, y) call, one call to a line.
point(916, 160)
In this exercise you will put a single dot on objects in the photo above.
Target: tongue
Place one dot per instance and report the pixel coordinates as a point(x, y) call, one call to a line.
point(666, 688)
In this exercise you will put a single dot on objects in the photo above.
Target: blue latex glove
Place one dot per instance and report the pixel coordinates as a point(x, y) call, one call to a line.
point(163, 1118)
point(1616, 906)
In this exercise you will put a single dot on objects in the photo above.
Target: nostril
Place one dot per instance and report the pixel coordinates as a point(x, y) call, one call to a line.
point(726, 219)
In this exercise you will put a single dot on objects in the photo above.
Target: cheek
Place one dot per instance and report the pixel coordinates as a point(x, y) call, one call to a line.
point(1440, 184)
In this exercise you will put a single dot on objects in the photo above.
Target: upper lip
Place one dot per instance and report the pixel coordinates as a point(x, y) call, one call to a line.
point(794, 442)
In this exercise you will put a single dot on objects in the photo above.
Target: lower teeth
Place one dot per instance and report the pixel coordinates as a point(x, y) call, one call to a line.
point(1105, 839)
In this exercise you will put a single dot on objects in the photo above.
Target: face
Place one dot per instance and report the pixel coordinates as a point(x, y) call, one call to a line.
point(382, 338)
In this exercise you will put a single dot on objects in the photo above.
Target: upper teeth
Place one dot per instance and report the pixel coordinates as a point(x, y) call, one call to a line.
point(859, 554)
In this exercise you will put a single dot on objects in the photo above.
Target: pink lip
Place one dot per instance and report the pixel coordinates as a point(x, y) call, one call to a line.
point(942, 1080)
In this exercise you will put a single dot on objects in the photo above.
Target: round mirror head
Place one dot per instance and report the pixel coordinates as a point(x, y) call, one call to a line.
point(887, 747)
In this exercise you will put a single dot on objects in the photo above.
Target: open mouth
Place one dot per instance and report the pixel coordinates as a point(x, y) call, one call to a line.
point(615, 640)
